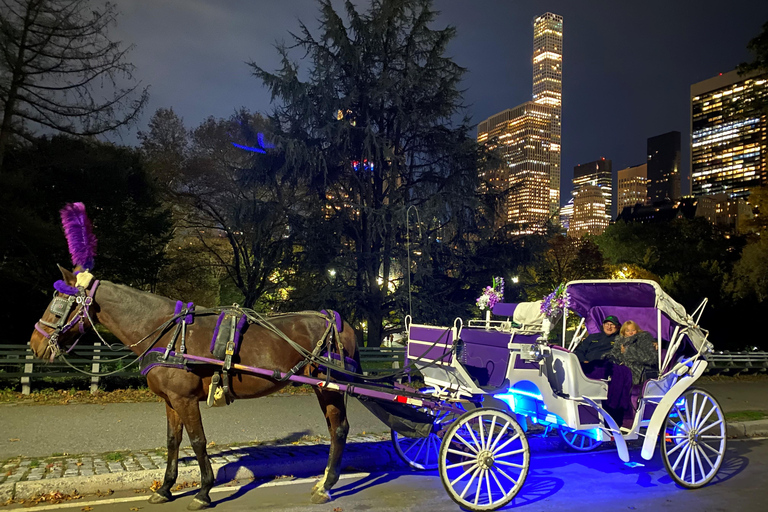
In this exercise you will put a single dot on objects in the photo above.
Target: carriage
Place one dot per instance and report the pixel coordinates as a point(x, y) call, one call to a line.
point(484, 381)
point(505, 373)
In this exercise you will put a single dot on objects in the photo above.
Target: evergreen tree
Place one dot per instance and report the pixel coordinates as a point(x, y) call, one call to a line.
point(373, 130)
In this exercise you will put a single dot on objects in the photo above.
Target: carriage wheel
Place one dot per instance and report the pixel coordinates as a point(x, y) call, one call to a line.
point(578, 440)
point(484, 459)
point(692, 440)
point(422, 452)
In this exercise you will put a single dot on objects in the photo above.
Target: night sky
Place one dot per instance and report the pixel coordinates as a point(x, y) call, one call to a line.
point(627, 66)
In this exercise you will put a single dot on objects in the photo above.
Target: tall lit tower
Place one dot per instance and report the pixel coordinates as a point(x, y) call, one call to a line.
point(548, 89)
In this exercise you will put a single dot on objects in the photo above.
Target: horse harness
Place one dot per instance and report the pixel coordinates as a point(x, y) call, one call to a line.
point(61, 307)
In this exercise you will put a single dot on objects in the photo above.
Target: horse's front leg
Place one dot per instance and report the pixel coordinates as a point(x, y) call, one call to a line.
point(189, 410)
point(175, 432)
point(338, 427)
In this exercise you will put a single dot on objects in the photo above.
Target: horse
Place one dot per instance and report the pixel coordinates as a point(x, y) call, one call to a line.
point(131, 314)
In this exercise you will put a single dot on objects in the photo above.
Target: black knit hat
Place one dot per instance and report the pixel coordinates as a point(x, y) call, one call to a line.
point(613, 320)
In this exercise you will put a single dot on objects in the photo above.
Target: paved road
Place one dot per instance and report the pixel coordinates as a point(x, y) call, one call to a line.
point(42, 430)
point(36, 431)
point(556, 483)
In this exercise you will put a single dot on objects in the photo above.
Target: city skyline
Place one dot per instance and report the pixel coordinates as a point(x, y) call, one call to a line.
point(627, 74)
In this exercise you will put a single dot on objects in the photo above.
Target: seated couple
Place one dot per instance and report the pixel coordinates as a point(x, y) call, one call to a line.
point(622, 352)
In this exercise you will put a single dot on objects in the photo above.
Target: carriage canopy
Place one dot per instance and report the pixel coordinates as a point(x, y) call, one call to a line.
point(641, 297)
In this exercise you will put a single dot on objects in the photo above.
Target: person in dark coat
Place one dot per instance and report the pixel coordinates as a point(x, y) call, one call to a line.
point(592, 349)
point(634, 348)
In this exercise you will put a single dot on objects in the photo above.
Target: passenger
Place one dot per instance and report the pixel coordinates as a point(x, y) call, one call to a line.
point(634, 348)
point(592, 349)
point(631, 354)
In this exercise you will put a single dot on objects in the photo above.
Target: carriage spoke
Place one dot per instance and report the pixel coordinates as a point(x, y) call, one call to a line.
point(413, 445)
point(513, 438)
point(507, 454)
point(488, 485)
point(716, 452)
point(692, 411)
point(703, 421)
point(701, 454)
point(498, 438)
point(479, 485)
point(505, 474)
point(518, 466)
point(466, 443)
point(699, 420)
point(686, 454)
point(463, 454)
point(680, 455)
point(677, 447)
point(718, 422)
point(501, 488)
point(422, 444)
point(582, 440)
point(472, 468)
point(457, 465)
point(472, 431)
point(469, 484)
point(487, 446)
point(482, 432)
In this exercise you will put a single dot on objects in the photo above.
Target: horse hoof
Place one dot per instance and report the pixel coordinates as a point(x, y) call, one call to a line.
point(157, 498)
point(320, 497)
point(198, 504)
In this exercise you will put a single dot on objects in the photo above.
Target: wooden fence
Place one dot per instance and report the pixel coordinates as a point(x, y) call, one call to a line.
point(18, 362)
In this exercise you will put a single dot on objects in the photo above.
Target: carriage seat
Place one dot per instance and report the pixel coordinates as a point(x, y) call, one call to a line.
point(569, 377)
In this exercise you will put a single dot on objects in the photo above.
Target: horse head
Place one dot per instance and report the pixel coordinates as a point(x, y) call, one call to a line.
point(67, 316)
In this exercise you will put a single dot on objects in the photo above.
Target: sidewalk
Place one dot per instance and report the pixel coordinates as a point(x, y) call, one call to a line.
point(26, 477)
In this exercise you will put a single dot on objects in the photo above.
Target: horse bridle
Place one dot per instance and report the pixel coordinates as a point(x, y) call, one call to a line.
point(61, 307)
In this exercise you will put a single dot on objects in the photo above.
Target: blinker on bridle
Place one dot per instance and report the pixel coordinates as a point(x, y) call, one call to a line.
point(61, 307)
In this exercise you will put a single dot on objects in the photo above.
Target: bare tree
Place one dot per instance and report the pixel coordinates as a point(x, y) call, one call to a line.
point(60, 71)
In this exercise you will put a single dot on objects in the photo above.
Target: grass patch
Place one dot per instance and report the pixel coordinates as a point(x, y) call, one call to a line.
point(746, 415)
point(114, 456)
point(34, 463)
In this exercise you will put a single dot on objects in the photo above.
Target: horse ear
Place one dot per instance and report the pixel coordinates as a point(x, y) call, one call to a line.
point(68, 276)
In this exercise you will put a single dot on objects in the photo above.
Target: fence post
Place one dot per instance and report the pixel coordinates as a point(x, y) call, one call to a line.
point(95, 368)
point(25, 384)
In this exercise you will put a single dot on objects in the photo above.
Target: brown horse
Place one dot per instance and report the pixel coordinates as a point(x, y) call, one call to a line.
point(131, 315)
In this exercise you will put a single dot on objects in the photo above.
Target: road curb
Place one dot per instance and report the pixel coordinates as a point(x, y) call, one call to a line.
point(740, 429)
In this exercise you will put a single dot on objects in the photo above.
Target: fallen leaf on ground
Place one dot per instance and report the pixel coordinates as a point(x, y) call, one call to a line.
point(14, 439)
point(155, 485)
point(86, 509)
point(337, 509)
point(135, 508)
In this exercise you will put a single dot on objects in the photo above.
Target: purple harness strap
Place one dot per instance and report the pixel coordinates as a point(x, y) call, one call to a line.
point(190, 318)
point(337, 316)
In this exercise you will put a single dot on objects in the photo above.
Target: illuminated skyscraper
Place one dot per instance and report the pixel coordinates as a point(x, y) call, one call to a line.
point(548, 89)
point(728, 142)
point(588, 212)
point(632, 186)
point(528, 137)
point(521, 137)
point(599, 174)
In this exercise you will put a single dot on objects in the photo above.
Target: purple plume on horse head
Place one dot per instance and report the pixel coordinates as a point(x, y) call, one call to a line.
point(79, 233)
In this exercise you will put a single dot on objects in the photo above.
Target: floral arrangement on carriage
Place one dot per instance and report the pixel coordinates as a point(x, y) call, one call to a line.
point(491, 296)
point(553, 306)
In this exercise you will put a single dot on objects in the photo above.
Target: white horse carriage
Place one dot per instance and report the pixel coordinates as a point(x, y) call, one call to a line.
point(505, 374)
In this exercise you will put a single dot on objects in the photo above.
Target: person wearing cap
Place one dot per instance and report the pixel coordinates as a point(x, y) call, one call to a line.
point(592, 349)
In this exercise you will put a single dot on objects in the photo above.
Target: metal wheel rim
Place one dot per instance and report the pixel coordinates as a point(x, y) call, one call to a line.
point(693, 439)
point(576, 440)
point(482, 451)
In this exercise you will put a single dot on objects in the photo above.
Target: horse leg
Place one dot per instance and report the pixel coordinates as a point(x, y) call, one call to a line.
point(335, 412)
point(175, 432)
point(189, 410)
